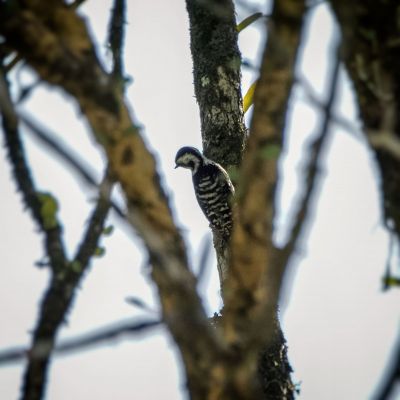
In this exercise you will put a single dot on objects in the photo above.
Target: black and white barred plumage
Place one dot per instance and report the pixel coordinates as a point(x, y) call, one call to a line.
point(213, 188)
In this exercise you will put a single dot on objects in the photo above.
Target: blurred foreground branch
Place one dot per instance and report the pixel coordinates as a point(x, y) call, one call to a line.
point(69, 60)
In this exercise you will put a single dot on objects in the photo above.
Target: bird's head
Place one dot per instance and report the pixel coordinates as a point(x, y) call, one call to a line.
point(189, 157)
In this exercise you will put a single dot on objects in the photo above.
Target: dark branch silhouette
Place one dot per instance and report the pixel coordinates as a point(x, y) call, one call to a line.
point(116, 37)
point(392, 377)
point(59, 296)
point(47, 138)
point(311, 174)
point(101, 336)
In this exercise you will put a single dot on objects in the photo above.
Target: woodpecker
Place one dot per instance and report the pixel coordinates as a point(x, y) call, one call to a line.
point(212, 186)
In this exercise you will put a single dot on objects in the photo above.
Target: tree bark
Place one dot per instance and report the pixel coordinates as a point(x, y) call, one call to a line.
point(370, 36)
point(216, 60)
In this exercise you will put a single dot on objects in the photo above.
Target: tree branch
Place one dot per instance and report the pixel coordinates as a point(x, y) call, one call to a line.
point(58, 299)
point(217, 82)
point(338, 119)
point(393, 376)
point(65, 276)
point(89, 243)
point(35, 201)
point(217, 79)
point(99, 336)
point(116, 39)
point(47, 138)
point(69, 61)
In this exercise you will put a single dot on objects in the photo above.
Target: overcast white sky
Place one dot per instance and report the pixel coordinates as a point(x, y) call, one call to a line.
point(339, 325)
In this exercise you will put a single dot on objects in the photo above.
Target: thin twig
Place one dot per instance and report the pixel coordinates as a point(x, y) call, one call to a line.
point(392, 377)
point(95, 227)
point(116, 39)
point(311, 174)
point(339, 120)
point(388, 274)
point(17, 58)
point(46, 137)
point(102, 335)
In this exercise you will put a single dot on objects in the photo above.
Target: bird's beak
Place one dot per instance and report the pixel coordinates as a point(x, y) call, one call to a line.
point(176, 166)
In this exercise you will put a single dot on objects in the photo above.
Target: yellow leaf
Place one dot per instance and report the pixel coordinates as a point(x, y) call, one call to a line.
point(247, 21)
point(248, 98)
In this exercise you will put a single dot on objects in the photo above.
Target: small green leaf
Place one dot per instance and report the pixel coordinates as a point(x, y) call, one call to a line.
point(107, 231)
point(270, 152)
point(99, 252)
point(48, 209)
point(76, 266)
point(391, 281)
point(248, 21)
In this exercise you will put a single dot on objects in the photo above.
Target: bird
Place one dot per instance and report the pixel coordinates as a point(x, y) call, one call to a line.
point(212, 186)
